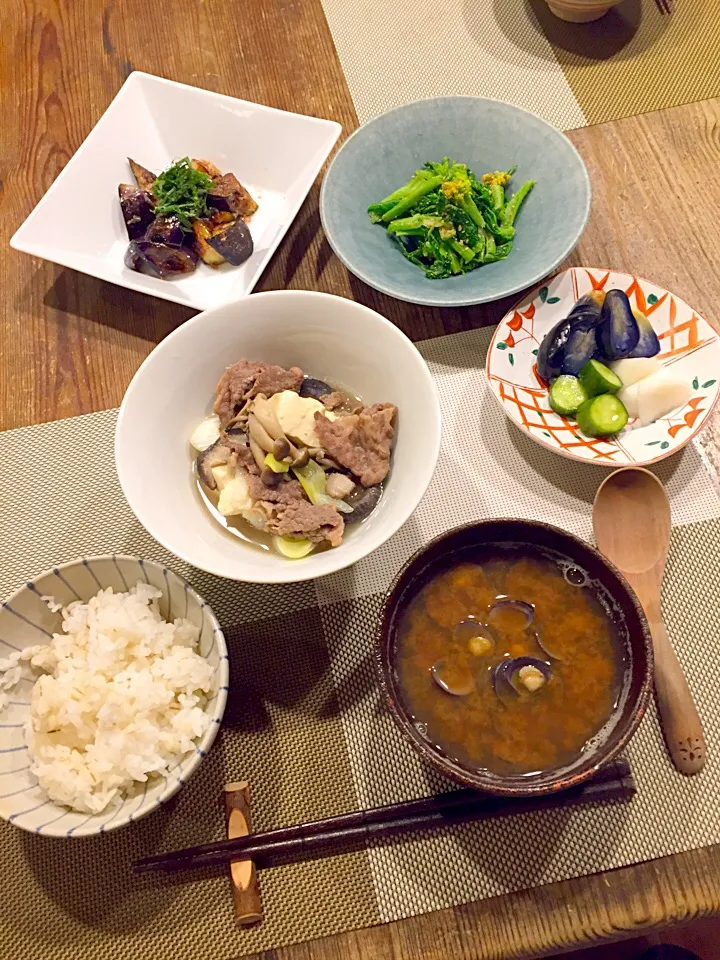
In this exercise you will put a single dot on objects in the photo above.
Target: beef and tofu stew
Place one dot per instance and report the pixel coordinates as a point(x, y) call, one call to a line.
point(286, 461)
point(191, 211)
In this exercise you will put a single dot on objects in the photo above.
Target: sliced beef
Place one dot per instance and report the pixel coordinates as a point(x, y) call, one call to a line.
point(305, 521)
point(331, 401)
point(243, 456)
point(361, 442)
point(246, 379)
point(340, 403)
point(233, 387)
point(228, 449)
point(274, 379)
point(228, 194)
point(287, 491)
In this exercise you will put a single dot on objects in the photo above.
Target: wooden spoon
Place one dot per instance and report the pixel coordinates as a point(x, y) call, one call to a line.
point(631, 519)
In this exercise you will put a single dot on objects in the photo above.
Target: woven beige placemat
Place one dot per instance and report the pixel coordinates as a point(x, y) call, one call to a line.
point(634, 60)
point(304, 723)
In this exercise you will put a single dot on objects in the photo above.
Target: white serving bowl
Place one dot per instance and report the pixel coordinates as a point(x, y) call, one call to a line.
point(330, 338)
point(276, 155)
point(26, 620)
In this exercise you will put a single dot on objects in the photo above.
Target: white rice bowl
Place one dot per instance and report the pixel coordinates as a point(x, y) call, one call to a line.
point(104, 720)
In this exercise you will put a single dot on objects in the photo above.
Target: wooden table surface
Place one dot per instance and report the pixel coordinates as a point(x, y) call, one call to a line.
point(69, 344)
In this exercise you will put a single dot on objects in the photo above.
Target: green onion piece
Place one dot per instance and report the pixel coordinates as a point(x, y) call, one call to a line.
point(312, 480)
point(277, 466)
point(293, 549)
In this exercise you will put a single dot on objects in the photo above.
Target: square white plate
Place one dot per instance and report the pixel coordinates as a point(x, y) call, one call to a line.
point(275, 154)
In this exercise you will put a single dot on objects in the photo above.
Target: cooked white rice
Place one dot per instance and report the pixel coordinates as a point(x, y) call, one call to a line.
point(121, 699)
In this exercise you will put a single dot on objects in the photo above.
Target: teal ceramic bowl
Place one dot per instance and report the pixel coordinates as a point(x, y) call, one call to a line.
point(486, 135)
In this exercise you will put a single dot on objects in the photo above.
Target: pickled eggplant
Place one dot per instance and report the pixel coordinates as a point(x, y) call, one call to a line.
point(585, 316)
point(581, 345)
point(552, 350)
point(590, 305)
point(648, 345)
point(618, 331)
point(166, 230)
point(137, 209)
point(159, 259)
point(233, 241)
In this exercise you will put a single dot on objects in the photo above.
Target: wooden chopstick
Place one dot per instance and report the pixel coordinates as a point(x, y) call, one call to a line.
point(336, 835)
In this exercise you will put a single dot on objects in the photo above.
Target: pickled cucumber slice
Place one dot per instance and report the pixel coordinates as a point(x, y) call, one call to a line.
point(566, 395)
point(602, 416)
point(596, 378)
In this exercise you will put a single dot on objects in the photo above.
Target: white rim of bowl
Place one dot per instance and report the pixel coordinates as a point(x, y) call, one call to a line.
point(458, 301)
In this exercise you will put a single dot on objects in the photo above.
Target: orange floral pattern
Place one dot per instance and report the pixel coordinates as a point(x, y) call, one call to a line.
point(516, 383)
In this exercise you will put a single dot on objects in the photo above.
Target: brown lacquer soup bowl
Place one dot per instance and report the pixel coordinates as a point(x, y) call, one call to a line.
point(514, 657)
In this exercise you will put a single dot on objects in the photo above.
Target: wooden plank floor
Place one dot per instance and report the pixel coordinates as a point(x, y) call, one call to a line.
point(701, 937)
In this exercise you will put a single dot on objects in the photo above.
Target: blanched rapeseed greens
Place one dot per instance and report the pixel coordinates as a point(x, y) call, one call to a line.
point(447, 221)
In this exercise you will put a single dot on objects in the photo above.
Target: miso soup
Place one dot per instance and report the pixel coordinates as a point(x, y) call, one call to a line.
point(510, 661)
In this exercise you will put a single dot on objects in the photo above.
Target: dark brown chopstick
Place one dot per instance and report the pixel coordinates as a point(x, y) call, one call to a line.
point(349, 831)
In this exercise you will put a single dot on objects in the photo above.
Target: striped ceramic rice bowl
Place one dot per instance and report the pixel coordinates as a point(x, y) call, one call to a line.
point(26, 620)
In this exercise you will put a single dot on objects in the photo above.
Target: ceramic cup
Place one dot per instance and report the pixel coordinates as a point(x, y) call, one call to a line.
point(580, 11)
